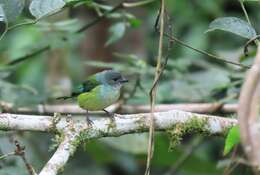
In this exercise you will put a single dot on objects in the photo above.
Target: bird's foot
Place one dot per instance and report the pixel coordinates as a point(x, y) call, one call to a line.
point(89, 122)
point(110, 114)
point(112, 123)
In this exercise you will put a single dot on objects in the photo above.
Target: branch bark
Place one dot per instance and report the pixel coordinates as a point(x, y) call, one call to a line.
point(248, 113)
point(129, 109)
point(75, 130)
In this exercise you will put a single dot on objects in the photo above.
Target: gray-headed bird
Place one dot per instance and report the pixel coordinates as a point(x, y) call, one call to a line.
point(99, 91)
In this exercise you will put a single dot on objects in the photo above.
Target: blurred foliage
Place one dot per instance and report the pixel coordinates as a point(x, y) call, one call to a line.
point(233, 138)
point(188, 77)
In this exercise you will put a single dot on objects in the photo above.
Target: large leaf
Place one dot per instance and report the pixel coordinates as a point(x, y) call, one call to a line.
point(12, 8)
point(40, 8)
point(234, 25)
point(233, 138)
point(18, 95)
point(117, 31)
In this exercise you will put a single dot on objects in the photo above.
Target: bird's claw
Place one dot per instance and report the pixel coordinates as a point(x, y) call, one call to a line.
point(89, 122)
point(111, 115)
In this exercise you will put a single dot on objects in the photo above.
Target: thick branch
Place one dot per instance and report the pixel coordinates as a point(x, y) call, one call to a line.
point(66, 148)
point(124, 124)
point(75, 130)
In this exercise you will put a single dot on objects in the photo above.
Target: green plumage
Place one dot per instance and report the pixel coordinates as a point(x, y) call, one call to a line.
point(98, 98)
point(99, 91)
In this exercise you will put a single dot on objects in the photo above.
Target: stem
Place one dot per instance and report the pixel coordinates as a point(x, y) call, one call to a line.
point(25, 57)
point(100, 18)
point(7, 155)
point(153, 91)
point(245, 12)
point(137, 4)
point(171, 37)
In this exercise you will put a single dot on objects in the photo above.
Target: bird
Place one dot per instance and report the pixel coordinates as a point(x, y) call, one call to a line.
point(98, 92)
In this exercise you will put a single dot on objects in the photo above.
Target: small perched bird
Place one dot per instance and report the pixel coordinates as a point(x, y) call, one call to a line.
point(99, 91)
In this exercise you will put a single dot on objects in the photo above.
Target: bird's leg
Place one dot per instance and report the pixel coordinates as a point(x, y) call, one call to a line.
point(111, 115)
point(89, 122)
point(112, 123)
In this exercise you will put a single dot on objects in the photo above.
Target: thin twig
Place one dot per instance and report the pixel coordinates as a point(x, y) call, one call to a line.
point(229, 167)
point(196, 142)
point(245, 12)
point(7, 155)
point(100, 18)
point(154, 89)
point(204, 52)
point(137, 4)
point(22, 24)
point(29, 55)
point(248, 43)
point(20, 152)
point(247, 17)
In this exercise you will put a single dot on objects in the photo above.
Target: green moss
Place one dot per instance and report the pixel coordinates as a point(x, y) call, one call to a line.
point(194, 125)
point(58, 138)
point(82, 138)
point(175, 135)
point(55, 121)
point(141, 124)
point(4, 128)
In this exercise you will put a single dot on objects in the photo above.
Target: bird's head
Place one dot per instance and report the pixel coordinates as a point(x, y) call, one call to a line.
point(112, 78)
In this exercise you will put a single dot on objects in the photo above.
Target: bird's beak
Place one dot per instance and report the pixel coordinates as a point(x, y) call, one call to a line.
point(123, 80)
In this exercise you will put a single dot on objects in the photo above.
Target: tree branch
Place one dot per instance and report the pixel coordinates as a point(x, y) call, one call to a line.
point(124, 124)
point(75, 130)
point(248, 113)
point(129, 109)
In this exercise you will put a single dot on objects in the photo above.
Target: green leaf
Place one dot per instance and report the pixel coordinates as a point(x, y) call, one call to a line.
point(234, 25)
point(134, 22)
point(12, 8)
point(18, 95)
point(117, 31)
point(233, 138)
point(39, 8)
point(13, 170)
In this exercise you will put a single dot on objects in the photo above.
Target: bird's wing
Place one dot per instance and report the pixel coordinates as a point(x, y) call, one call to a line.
point(86, 86)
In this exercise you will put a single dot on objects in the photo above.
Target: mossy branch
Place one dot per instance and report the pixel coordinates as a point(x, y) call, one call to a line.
point(74, 131)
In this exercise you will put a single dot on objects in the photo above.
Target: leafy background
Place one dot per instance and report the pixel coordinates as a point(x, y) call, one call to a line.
point(125, 41)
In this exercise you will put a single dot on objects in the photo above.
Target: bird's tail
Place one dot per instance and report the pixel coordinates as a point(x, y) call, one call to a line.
point(64, 98)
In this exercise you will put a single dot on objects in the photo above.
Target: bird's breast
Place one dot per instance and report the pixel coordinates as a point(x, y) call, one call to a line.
point(103, 97)
point(110, 94)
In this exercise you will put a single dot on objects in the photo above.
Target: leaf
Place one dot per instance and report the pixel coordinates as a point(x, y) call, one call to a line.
point(18, 95)
point(12, 8)
point(117, 31)
point(233, 138)
point(40, 8)
point(10, 170)
point(234, 25)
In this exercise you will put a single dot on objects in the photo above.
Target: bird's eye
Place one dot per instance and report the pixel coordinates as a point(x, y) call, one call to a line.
point(115, 79)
